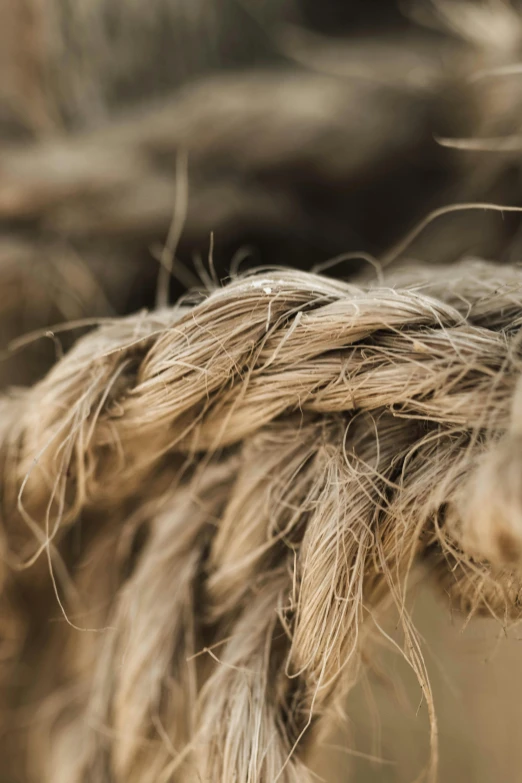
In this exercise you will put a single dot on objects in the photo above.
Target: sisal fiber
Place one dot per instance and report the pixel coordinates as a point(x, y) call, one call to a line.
point(205, 508)
point(301, 145)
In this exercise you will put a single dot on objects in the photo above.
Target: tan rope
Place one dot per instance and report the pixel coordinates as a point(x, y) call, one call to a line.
point(224, 495)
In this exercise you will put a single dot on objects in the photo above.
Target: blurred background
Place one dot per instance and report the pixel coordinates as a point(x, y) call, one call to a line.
point(477, 686)
point(202, 137)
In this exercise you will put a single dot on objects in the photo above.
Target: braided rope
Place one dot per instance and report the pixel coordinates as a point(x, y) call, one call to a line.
point(258, 471)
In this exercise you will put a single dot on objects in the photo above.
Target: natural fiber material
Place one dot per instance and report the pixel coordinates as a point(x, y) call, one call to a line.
point(299, 147)
point(226, 492)
point(250, 479)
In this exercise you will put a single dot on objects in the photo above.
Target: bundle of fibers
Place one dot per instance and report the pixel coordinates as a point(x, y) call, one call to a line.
point(278, 166)
point(300, 146)
point(204, 508)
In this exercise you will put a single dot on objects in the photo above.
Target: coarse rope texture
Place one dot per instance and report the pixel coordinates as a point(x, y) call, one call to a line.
point(214, 502)
point(290, 486)
point(296, 141)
